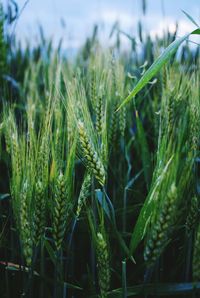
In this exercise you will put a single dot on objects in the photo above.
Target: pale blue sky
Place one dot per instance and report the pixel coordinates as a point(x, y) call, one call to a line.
point(80, 16)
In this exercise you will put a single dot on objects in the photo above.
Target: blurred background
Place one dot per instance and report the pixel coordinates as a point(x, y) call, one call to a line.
point(74, 20)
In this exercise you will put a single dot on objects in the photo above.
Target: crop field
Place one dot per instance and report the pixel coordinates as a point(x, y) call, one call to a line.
point(99, 167)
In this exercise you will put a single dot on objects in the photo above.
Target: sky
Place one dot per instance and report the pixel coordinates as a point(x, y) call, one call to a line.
point(79, 16)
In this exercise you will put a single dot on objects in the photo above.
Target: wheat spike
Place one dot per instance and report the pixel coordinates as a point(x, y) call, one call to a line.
point(25, 228)
point(93, 161)
point(161, 228)
point(170, 115)
point(193, 215)
point(93, 88)
point(194, 128)
point(39, 212)
point(84, 192)
point(103, 265)
point(122, 121)
point(60, 210)
point(99, 114)
point(42, 162)
point(15, 154)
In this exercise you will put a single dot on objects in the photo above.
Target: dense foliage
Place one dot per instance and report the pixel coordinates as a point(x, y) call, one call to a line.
point(98, 201)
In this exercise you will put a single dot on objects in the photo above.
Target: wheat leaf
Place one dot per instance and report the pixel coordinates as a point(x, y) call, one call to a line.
point(157, 65)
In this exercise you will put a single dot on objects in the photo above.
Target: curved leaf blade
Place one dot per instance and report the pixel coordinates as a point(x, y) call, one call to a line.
point(190, 18)
point(157, 65)
point(145, 213)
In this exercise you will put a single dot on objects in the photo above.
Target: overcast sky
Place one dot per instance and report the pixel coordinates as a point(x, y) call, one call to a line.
point(79, 17)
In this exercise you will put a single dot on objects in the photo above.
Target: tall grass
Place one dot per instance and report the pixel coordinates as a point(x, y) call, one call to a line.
point(95, 201)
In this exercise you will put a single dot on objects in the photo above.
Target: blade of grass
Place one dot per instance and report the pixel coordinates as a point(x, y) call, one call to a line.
point(157, 65)
point(145, 214)
point(190, 18)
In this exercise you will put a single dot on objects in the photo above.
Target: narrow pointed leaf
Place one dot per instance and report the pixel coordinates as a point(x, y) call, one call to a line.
point(146, 212)
point(190, 18)
point(157, 65)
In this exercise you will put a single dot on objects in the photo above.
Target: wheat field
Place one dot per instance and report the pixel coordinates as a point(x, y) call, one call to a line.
point(99, 169)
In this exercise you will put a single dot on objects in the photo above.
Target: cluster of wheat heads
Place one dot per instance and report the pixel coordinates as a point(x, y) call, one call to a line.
point(85, 178)
point(173, 189)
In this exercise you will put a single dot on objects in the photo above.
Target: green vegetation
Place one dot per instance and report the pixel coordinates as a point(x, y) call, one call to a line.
point(99, 180)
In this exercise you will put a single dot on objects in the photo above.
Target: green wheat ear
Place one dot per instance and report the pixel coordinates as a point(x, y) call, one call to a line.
point(39, 212)
point(194, 126)
point(161, 229)
point(93, 87)
point(103, 265)
point(122, 121)
point(93, 161)
point(60, 210)
point(170, 112)
point(193, 215)
point(84, 193)
point(99, 114)
point(25, 224)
